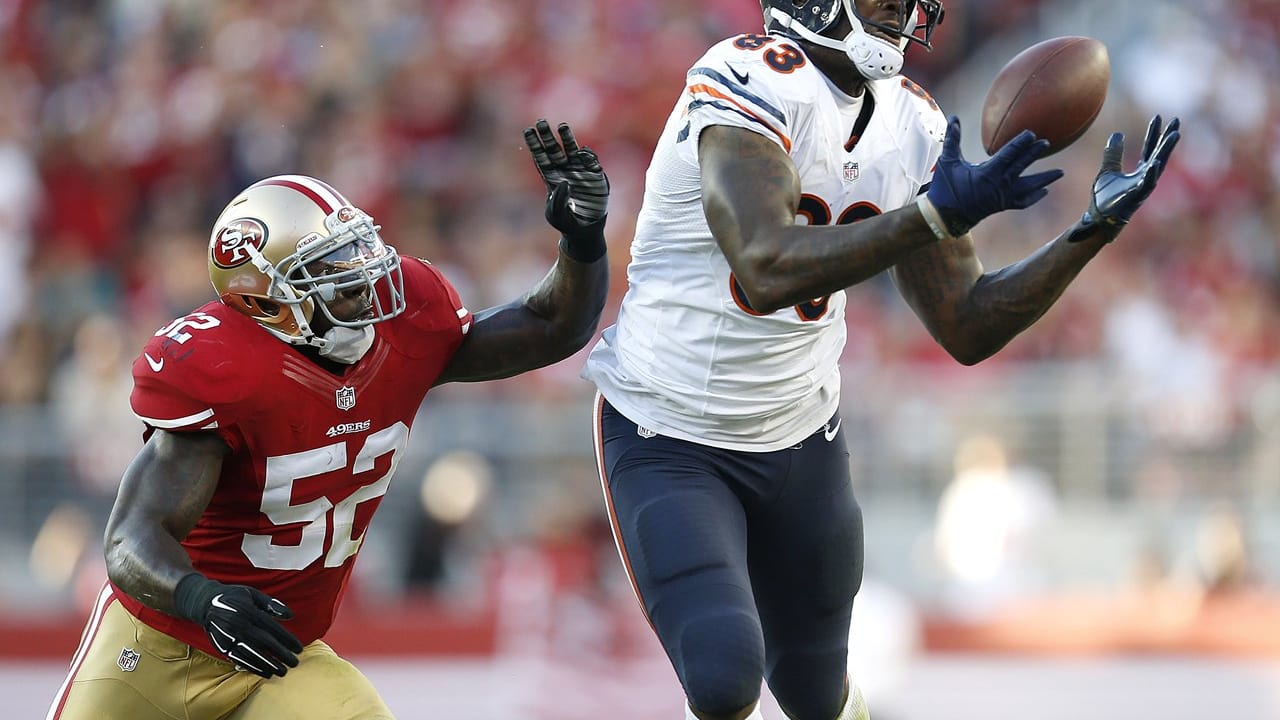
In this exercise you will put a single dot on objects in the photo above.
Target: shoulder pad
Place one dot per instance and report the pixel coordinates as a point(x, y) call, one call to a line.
point(213, 356)
point(931, 118)
point(772, 64)
point(436, 320)
point(758, 82)
point(433, 301)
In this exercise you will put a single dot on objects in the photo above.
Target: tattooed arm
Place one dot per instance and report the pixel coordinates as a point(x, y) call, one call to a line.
point(971, 314)
point(750, 194)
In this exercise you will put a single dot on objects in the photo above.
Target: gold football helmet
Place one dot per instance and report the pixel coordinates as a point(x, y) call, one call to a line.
point(289, 245)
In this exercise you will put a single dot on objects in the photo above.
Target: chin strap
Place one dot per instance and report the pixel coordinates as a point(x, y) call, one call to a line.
point(876, 59)
point(347, 345)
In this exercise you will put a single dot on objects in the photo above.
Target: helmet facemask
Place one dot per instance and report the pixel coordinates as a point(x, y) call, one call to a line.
point(875, 57)
point(338, 270)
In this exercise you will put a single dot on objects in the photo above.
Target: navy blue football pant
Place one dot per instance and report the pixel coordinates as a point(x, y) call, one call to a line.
point(746, 564)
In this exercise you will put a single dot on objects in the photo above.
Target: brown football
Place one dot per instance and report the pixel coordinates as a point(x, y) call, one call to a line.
point(1054, 88)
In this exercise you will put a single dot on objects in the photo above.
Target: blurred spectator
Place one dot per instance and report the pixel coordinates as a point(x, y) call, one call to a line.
point(1223, 559)
point(148, 113)
point(987, 521)
point(91, 400)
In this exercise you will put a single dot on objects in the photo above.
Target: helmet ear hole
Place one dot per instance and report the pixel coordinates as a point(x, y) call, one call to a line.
point(263, 307)
point(256, 307)
point(273, 315)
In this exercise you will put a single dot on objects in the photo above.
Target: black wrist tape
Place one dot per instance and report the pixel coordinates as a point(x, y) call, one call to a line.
point(192, 595)
point(587, 245)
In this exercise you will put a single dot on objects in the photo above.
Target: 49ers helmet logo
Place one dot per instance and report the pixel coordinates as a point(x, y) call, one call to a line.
point(230, 246)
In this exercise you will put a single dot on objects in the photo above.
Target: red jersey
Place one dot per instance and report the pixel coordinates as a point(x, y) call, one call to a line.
point(312, 452)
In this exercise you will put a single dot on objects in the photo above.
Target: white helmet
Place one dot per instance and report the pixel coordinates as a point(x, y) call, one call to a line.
point(875, 57)
point(290, 244)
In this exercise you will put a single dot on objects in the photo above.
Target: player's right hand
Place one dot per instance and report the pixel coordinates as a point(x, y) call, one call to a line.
point(242, 622)
point(964, 193)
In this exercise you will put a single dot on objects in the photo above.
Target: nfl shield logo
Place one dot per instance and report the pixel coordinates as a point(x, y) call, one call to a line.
point(850, 171)
point(346, 398)
point(128, 661)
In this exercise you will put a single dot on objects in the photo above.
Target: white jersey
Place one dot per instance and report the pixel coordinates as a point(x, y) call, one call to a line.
point(688, 358)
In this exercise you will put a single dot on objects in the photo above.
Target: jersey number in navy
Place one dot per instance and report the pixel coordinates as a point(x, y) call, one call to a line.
point(783, 57)
point(816, 211)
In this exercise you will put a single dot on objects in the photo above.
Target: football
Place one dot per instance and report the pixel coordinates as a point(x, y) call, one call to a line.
point(1054, 88)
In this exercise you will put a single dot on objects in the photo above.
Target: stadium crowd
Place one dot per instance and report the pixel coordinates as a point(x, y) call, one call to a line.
point(128, 124)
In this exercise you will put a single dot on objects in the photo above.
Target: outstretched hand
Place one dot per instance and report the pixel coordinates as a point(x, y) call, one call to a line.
point(1117, 195)
point(577, 187)
point(964, 193)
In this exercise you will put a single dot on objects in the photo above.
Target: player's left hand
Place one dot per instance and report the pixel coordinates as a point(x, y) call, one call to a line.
point(577, 187)
point(1117, 195)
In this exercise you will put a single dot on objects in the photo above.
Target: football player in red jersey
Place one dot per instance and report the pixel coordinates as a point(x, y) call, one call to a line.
point(275, 417)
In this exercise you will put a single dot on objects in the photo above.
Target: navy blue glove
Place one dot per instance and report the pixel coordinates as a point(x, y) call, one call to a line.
point(964, 193)
point(577, 189)
point(242, 622)
point(1117, 195)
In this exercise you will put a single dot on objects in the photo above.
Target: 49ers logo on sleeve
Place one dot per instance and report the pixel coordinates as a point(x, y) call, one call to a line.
point(230, 246)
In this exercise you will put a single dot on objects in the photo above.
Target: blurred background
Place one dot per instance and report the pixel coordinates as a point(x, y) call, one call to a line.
point(1083, 525)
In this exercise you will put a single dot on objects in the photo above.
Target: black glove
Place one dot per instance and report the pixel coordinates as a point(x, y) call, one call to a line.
point(241, 621)
point(964, 193)
point(1118, 195)
point(577, 190)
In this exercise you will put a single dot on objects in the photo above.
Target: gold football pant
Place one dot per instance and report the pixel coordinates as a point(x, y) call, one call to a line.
point(125, 670)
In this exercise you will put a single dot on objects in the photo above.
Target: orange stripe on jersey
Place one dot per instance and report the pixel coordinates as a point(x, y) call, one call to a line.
point(786, 141)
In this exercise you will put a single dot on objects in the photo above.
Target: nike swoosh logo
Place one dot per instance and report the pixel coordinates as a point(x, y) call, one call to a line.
point(217, 602)
point(742, 77)
point(156, 365)
point(829, 432)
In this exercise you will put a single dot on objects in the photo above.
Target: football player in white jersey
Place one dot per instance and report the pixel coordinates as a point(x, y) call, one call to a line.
point(795, 164)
